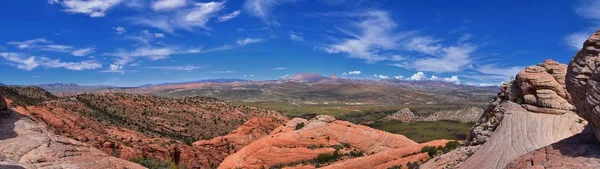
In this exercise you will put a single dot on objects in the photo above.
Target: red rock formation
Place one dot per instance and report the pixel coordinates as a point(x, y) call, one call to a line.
point(301, 141)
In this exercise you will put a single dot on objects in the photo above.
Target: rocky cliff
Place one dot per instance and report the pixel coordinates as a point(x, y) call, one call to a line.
point(25, 143)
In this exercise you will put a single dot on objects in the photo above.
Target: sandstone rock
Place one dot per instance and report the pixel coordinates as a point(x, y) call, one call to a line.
point(521, 131)
point(27, 144)
point(452, 159)
point(404, 115)
point(542, 88)
point(583, 79)
point(291, 144)
point(581, 151)
point(251, 130)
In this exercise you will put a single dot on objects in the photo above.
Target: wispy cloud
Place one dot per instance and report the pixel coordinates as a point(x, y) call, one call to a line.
point(119, 30)
point(21, 61)
point(374, 34)
point(82, 52)
point(262, 9)
point(29, 43)
point(93, 8)
point(296, 37)
point(224, 72)
point(230, 16)
point(247, 41)
point(165, 5)
point(575, 40)
point(186, 18)
point(178, 68)
point(279, 68)
point(382, 76)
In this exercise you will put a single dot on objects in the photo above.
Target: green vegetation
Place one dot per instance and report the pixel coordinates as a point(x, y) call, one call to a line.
point(154, 163)
point(395, 167)
point(413, 165)
point(427, 131)
point(343, 111)
point(299, 126)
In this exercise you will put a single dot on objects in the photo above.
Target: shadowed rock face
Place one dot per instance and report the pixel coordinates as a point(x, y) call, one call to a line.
point(583, 80)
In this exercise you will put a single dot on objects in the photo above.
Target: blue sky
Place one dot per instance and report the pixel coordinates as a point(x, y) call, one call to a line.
point(134, 42)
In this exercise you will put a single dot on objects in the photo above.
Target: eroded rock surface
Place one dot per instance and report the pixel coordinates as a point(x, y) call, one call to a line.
point(465, 115)
point(299, 141)
point(27, 144)
point(583, 79)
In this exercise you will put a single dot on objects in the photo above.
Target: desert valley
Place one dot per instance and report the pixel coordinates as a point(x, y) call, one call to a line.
point(299, 84)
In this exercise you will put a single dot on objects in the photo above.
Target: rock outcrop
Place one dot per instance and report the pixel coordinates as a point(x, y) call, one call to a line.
point(299, 142)
point(25, 143)
point(542, 89)
point(404, 115)
point(251, 130)
point(583, 79)
point(581, 150)
point(465, 115)
point(529, 113)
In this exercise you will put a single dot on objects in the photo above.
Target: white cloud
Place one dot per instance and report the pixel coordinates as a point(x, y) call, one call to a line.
point(179, 68)
point(200, 15)
point(57, 48)
point(82, 52)
point(282, 77)
point(29, 63)
point(164, 5)
point(452, 59)
point(382, 76)
point(20, 61)
point(465, 37)
point(119, 30)
point(93, 8)
point(227, 17)
point(418, 76)
point(374, 35)
point(84, 65)
point(188, 19)
point(225, 72)
point(356, 72)
point(262, 9)
point(493, 72)
point(29, 43)
point(244, 42)
point(296, 37)
point(279, 68)
point(424, 45)
point(575, 40)
point(400, 77)
point(453, 79)
point(115, 68)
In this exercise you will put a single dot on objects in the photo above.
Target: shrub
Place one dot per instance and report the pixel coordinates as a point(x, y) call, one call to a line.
point(395, 167)
point(299, 125)
point(324, 157)
point(431, 151)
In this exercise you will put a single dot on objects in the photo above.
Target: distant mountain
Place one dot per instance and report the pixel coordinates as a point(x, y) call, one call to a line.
point(222, 80)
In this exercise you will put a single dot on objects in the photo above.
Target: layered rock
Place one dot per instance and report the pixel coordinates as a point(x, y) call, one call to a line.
point(581, 150)
point(300, 141)
point(27, 144)
point(404, 115)
point(542, 89)
point(583, 79)
point(529, 113)
point(251, 130)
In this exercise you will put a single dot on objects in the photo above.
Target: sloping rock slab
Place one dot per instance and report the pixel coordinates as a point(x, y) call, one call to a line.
point(520, 132)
